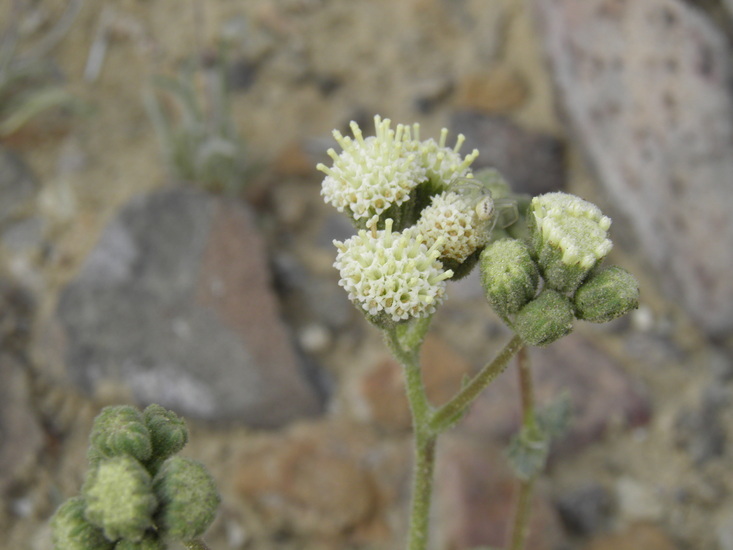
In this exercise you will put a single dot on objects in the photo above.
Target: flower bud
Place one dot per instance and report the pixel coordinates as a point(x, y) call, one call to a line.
point(71, 531)
point(168, 432)
point(151, 541)
point(120, 498)
point(569, 236)
point(119, 430)
point(545, 319)
point(509, 276)
point(188, 498)
point(606, 295)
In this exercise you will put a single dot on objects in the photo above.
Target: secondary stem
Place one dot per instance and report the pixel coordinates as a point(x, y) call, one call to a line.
point(449, 413)
point(520, 526)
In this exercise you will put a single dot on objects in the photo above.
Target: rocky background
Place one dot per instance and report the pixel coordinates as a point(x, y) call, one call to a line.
point(120, 282)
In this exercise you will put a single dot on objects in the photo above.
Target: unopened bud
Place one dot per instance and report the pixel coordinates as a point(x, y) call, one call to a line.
point(71, 530)
point(509, 276)
point(545, 319)
point(119, 430)
point(606, 295)
point(168, 432)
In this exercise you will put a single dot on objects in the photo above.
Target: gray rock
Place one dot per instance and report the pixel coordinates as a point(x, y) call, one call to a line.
point(601, 394)
point(646, 88)
point(18, 186)
point(21, 435)
point(532, 162)
point(585, 510)
point(175, 303)
point(701, 431)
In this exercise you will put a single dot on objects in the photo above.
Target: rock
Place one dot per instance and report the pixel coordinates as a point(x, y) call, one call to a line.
point(646, 88)
point(175, 303)
point(20, 432)
point(313, 482)
point(638, 501)
point(475, 499)
point(532, 162)
point(498, 90)
point(601, 395)
point(640, 535)
point(18, 187)
point(701, 431)
point(378, 396)
point(585, 510)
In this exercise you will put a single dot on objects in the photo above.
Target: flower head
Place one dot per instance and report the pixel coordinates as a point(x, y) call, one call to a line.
point(371, 174)
point(442, 163)
point(461, 225)
point(392, 274)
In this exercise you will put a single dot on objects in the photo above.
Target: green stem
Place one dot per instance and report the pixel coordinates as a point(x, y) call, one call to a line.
point(195, 544)
point(452, 411)
point(520, 527)
point(407, 350)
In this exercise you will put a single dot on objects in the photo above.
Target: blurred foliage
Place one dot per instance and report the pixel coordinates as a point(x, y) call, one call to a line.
point(191, 114)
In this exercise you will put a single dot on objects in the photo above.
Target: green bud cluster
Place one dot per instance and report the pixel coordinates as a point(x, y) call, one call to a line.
point(137, 494)
point(540, 284)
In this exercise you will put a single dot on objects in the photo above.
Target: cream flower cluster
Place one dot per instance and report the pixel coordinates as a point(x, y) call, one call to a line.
point(576, 227)
point(373, 173)
point(453, 219)
point(442, 163)
point(392, 273)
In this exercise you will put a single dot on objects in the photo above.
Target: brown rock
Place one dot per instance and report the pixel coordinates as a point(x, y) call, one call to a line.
point(601, 394)
point(380, 393)
point(475, 499)
point(499, 90)
point(639, 535)
point(646, 87)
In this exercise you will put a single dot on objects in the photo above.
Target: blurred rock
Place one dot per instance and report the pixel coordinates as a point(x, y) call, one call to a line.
point(498, 90)
point(646, 87)
point(378, 396)
point(315, 482)
point(20, 432)
point(475, 499)
point(638, 500)
point(701, 431)
point(175, 303)
point(639, 535)
point(532, 162)
point(18, 187)
point(601, 395)
point(585, 510)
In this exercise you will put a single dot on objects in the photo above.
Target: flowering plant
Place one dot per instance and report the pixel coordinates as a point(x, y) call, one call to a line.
point(425, 218)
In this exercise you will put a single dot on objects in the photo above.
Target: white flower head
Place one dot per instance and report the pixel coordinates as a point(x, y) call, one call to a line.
point(371, 174)
point(442, 163)
point(576, 227)
point(391, 273)
point(456, 221)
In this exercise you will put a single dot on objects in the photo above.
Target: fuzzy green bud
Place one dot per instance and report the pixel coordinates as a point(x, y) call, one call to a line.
point(71, 531)
point(606, 295)
point(509, 276)
point(188, 498)
point(120, 498)
point(168, 432)
point(120, 430)
point(569, 236)
point(151, 541)
point(545, 319)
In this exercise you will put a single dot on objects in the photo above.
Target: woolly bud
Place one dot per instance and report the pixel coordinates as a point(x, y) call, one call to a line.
point(188, 498)
point(545, 319)
point(119, 430)
point(151, 541)
point(71, 531)
point(509, 276)
point(570, 237)
point(606, 295)
point(168, 432)
point(120, 499)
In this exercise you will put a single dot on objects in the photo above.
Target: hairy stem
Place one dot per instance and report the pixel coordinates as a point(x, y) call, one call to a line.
point(520, 526)
point(450, 413)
